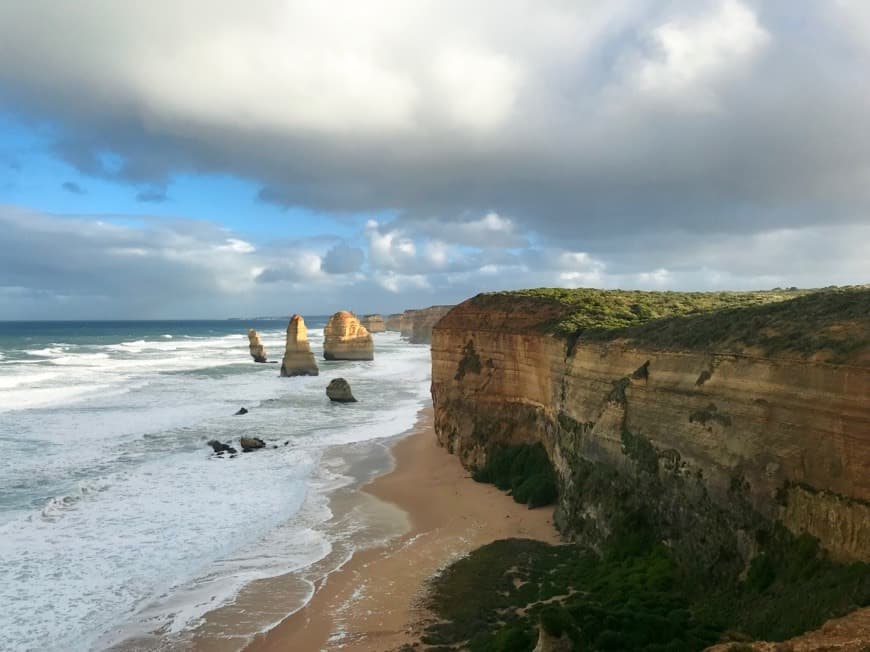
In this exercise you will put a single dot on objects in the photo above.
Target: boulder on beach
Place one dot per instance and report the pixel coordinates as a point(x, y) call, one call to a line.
point(251, 443)
point(255, 346)
point(344, 338)
point(298, 358)
point(338, 390)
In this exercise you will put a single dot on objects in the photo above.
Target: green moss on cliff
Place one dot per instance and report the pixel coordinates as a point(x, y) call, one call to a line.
point(797, 321)
point(523, 470)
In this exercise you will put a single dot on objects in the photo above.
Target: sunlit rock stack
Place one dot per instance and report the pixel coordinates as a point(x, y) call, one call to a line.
point(344, 338)
point(298, 358)
point(258, 351)
point(373, 323)
point(393, 322)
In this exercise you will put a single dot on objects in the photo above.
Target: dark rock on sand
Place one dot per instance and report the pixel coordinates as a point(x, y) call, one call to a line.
point(338, 390)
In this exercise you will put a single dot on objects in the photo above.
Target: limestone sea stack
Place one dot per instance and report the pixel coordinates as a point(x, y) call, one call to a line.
point(393, 322)
point(298, 358)
point(373, 323)
point(344, 338)
point(255, 346)
point(416, 325)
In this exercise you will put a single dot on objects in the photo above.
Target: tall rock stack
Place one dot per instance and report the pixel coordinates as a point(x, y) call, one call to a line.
point(298, 358)
point(255, 346)
point(373, 323)
point(344, 338)
point(393, 322)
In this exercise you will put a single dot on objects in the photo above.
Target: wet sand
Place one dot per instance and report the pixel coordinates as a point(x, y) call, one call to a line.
point(373, 602)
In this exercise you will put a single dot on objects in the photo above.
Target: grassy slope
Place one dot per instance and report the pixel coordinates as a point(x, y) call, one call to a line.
point(834, 322)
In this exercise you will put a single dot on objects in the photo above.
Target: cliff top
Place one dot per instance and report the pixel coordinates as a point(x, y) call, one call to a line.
point(832, 324)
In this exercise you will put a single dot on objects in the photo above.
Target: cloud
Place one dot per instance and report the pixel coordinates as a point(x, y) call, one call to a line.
point(152, 196)
point(343, 259)
point(115, 267)
point(575, 121)
point(73, 187)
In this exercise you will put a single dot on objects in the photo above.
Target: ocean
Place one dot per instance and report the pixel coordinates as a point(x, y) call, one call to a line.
point(117, 523)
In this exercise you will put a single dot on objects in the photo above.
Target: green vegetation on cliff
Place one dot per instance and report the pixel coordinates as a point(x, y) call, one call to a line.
point(523, 470)
point(797, 321)
point(633, 596)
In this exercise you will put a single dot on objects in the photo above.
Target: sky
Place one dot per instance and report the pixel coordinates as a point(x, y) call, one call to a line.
point(226, 159)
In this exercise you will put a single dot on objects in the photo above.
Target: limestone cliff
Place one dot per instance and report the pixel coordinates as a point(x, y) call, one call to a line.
point(416, 325)
point(373, 323)
point(298, 358)
point(344, 338)
point(393, 322)
point(255, 346)
point(712, 416)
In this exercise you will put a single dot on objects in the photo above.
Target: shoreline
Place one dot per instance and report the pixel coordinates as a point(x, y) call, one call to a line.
point(372, 602)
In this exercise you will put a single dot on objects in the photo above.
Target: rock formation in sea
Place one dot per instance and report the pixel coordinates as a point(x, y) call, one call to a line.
point(373, 323)
point(416, 325)
point(255, 346)
point(338, 390)
point(249, 444)
point(749, 413)
point(298, 358)
point(393, 322)
point(344, 338)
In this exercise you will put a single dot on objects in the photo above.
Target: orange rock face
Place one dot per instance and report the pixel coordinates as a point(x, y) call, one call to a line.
point(373, 323)
point(255, 346)
point(702, 438)
point(298, 358)
point(344, 338)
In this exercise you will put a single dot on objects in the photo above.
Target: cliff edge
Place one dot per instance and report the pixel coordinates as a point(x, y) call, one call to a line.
point(715, 416)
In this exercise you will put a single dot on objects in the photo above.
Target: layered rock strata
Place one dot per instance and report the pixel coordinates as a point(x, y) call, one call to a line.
point(393, 322)
point(255, 346)
point(713, 447)
point(373, 323)
point(344, 338)
point(298, 358)
point(416, 325)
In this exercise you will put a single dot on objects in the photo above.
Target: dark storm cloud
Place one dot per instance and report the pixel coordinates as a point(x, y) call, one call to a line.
point(629, 142)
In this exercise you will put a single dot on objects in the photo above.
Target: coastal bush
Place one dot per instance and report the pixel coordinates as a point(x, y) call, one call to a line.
point(524, 470)
point(633, 595)
point(805, 322)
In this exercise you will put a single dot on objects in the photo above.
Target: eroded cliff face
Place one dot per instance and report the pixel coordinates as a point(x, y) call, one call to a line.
point(416, 325)
point(710, 448)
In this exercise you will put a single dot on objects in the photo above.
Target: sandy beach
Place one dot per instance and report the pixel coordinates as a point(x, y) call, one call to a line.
point(372, 603)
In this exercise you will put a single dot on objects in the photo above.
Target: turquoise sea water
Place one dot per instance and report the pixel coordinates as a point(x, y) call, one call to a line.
point(110, 502)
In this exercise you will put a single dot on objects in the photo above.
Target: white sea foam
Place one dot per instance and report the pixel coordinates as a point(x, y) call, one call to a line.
point(115, 517)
